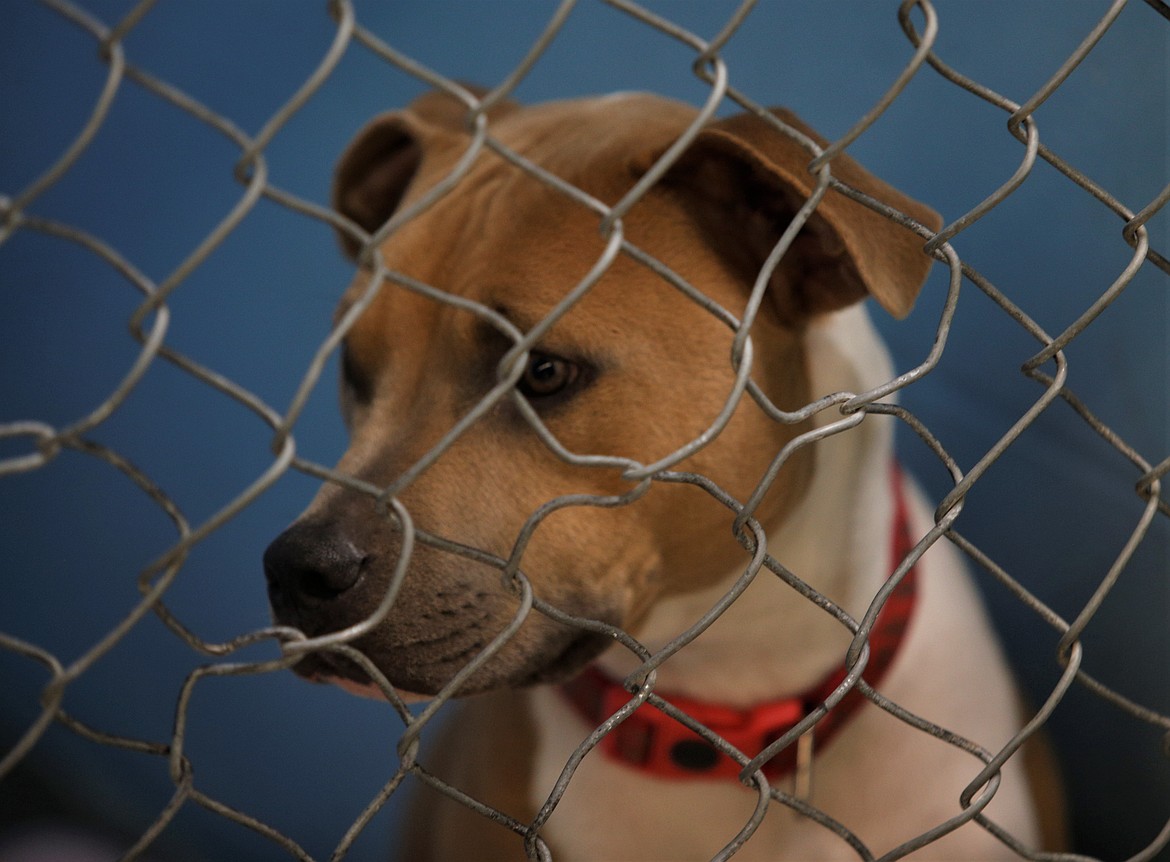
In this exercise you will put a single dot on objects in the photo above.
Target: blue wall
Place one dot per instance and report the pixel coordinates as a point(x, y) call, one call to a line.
point(75, 534)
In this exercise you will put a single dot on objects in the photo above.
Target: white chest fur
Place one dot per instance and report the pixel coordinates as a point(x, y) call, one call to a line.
point(881, 779)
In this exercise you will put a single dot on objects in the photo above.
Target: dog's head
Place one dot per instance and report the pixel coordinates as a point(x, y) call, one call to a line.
point(635, 369)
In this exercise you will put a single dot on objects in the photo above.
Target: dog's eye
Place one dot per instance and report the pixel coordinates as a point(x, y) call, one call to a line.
point(546, 375)
point(355, 379)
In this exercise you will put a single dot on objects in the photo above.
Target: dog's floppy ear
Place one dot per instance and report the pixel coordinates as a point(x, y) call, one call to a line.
point(374, 173)
point(382, 160)
point(750, 179)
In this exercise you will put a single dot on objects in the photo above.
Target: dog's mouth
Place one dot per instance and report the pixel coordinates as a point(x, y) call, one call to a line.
point(580, 651)
point(417, 681)
point(443, 619)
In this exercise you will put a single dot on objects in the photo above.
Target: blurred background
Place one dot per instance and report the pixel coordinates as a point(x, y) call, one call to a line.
point(1055, 511)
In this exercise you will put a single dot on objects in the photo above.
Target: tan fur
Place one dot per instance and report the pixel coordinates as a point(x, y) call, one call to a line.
point(499, 775)
point(1045, 779)
point(659, 372)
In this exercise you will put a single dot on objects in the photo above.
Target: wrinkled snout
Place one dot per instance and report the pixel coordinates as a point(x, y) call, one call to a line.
point(324, 577)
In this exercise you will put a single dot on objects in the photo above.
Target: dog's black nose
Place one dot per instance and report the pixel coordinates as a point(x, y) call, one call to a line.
point(311, 562)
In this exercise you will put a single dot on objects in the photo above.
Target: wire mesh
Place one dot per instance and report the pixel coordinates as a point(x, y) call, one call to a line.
point(34, 444)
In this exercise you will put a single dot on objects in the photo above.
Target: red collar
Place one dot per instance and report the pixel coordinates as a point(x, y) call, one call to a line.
point(655, 743)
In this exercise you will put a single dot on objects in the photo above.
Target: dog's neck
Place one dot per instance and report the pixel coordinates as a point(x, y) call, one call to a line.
point(773, 643)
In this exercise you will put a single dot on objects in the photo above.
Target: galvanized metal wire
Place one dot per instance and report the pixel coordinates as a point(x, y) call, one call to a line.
point(38, 442)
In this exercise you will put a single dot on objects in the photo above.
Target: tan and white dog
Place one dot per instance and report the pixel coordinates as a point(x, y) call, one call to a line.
point(635, 370)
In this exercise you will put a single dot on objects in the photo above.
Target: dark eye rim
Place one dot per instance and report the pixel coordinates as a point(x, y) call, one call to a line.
point(355, 379)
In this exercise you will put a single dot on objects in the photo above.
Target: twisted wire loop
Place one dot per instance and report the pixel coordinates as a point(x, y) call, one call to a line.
point(41, 442)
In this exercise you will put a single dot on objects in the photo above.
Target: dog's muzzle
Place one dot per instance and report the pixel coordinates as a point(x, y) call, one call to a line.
point(316, 580)
point(308, 567)
point(321, 581)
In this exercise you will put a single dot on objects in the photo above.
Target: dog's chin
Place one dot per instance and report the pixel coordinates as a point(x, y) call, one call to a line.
point(371, 691)
point(320, 670)
point(417, 687)
point(570, 661)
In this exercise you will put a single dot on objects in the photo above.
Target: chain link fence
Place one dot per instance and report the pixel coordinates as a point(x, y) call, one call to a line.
point(172, 623)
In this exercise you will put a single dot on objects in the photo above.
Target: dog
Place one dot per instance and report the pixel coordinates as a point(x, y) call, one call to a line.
point(632, 372)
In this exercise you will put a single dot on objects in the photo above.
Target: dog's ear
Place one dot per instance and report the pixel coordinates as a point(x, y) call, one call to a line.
point(750, 179)
point(382, 160)
point(374, 173)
